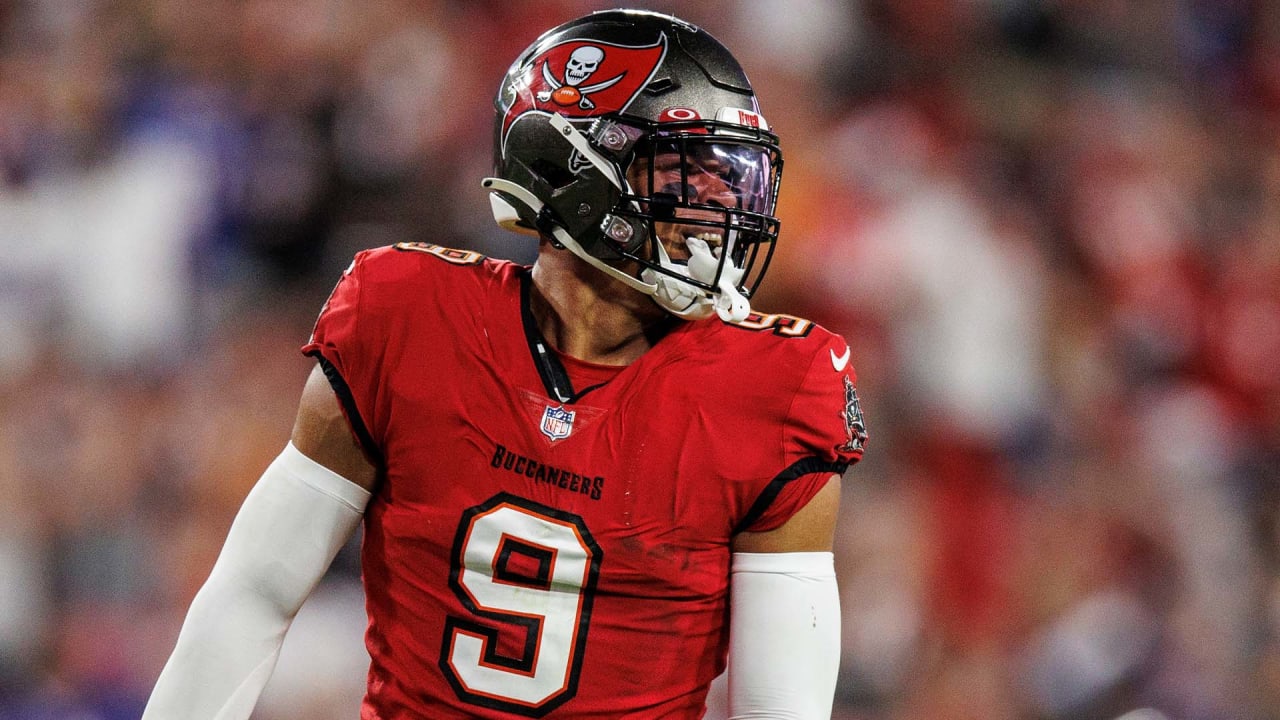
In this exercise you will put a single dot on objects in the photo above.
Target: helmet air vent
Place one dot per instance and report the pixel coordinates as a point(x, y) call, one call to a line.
point(661, 85)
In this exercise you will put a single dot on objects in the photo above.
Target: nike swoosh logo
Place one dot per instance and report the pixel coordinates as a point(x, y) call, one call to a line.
point(838, 362)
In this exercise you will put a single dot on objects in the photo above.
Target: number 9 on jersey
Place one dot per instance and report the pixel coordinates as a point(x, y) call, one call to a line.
point(526, 573)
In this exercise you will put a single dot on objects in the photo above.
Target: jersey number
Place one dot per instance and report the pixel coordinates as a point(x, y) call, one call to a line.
point(784, 325)
point(452, 255)
point(526, 573)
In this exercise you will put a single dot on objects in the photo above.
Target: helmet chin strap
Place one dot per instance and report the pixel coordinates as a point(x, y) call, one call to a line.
point(677, 297)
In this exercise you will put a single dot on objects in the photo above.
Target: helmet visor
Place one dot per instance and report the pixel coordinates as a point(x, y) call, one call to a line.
point(692, 172)
point(720, 190)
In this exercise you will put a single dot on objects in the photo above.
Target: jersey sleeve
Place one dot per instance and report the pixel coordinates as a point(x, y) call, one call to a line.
point(825, 420)
point(345, 354)
point(823, 435)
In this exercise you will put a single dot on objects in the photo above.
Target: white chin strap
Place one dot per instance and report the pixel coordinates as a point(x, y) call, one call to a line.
point(677, 297)
point(689, 302)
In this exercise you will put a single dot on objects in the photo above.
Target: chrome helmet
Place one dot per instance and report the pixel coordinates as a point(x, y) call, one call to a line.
point(634, 140)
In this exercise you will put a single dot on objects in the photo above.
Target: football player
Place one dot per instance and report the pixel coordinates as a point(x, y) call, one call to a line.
point(586, 485)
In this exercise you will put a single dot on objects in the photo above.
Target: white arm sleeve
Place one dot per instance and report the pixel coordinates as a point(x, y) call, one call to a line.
point(286, 534)
point(784, 635)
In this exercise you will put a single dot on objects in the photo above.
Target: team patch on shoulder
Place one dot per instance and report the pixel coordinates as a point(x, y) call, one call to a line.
point(853, 422)
point(780, 324)
point(450, 255)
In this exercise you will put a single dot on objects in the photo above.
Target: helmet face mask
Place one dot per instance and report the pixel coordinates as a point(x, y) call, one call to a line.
point(634, 140)
point(700, 185)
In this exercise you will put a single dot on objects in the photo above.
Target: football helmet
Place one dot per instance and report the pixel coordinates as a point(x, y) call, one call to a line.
point(634, 140)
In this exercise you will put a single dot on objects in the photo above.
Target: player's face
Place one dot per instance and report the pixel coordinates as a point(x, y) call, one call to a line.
point(700, 183)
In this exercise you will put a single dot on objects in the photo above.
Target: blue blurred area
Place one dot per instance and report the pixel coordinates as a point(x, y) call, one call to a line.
point(1050, 230)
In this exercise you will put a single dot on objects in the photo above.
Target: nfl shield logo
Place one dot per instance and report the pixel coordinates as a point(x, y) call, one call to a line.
point(557, 422)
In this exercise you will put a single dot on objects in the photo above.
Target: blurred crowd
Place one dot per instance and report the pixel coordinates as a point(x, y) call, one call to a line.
point(1050, 230)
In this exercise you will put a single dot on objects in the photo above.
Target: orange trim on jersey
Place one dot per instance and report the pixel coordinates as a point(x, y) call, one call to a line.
point(779, 323)
point(448, 254)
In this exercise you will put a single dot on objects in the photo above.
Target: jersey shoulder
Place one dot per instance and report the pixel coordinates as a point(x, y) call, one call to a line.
point(417, 272)
point(409, 290)
point(799, 373)
point(781, 337)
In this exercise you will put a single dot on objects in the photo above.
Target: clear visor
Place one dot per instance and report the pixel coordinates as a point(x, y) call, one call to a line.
point(717, 174)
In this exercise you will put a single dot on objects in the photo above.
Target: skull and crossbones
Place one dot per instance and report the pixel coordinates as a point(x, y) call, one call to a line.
point(581, 65)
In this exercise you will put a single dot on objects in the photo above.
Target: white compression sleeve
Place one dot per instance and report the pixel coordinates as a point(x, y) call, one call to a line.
point(286, 534)
point(784, 635)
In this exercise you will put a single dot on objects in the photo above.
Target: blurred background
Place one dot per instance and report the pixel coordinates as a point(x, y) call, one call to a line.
point(1050, 230)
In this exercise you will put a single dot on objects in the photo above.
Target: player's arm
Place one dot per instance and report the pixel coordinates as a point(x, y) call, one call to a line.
point(784, 632)
point(299, 514)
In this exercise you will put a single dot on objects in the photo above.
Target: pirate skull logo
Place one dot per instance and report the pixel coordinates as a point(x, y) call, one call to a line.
point(581, 65)
point(566, 79)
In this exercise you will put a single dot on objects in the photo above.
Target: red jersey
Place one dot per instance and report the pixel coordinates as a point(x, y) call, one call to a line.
point(556, 544)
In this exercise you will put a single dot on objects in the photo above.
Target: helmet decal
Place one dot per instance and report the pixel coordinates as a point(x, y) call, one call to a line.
point(582, 78)
point(678, 114)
